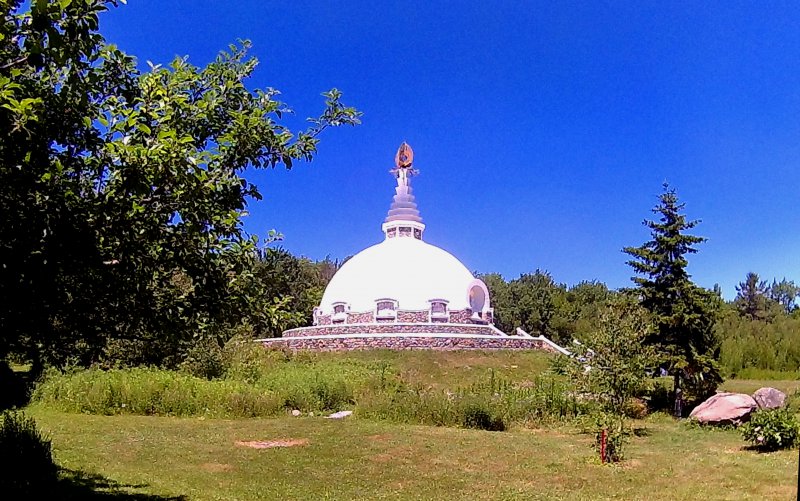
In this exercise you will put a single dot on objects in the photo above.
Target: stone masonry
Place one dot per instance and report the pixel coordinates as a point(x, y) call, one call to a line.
point(392, 328)
point(403, 316)
point(446, 343)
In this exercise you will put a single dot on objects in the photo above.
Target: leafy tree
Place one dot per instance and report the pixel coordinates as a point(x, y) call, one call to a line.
point(500, 295)
point(752, 344)
point(328, 267)
point(785, 293)
point(121, 192)
point(582, 308)
point(537, 304)
point(616, 357)
point(533, 297)
point(751, 297)
point(612, 365)
point(297, 281)
point(684, 314)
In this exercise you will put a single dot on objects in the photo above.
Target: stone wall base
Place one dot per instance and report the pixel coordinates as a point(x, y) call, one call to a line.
point(418, 342)
point(393, 328)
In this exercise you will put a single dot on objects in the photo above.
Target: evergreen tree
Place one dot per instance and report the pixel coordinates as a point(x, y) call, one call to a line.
point(683, 313)
point(784, 293)
point(751, 297)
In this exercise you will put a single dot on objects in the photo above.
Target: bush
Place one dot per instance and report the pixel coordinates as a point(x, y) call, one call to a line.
point(635, 408)
point(659, 397)
point(257, 382)
point(752, 344)
point(206, 359)
point(559, 365)
point(478, 415)
point(617, 435)
point(13, 388)
point(771, 430)
point(26, 456)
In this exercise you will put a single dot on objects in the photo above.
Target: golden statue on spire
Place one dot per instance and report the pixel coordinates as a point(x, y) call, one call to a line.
point(404, 160)
point(404, 157)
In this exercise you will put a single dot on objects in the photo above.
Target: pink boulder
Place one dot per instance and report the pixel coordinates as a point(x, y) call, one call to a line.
point(725, 408)
point(769, 398)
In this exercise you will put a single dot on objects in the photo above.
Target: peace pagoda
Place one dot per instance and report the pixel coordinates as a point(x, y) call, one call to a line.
point(404, 293)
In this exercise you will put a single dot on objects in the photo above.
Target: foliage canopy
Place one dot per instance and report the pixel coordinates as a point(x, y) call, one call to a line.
point(122, 192)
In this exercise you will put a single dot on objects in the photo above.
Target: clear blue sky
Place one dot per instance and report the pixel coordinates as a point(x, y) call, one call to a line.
point(542, 132)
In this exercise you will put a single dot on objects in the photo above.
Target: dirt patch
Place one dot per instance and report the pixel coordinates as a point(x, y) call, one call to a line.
point(380, 438)
point(403, 455)
point(270, 444)
point(382, 458)
point(631, 464)
point(216, 467)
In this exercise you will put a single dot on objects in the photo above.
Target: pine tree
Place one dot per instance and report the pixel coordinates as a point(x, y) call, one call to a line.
point(785, 293)
point(683, 313)
point(751, 297)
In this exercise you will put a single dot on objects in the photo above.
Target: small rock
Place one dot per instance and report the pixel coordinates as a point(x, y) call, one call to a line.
point(769, 398)
point(725, 408)
point(340, 415)
point(295, 412)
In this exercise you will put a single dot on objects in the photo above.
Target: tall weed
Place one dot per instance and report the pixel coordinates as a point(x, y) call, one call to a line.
point(260, 382)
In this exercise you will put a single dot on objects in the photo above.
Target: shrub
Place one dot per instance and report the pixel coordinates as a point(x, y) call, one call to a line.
point(617, 435)
point(753, 344)
point(614, 360)
point(635, 408)
point(771, 430)
point(205, 359)
point(659, 397)
point(27, 459)
point(560, 365)
point(13, 388)
point(477, 414)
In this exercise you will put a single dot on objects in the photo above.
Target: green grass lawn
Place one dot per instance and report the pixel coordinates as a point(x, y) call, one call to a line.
point(147, 458)
point(788, 386)
point(358, 459)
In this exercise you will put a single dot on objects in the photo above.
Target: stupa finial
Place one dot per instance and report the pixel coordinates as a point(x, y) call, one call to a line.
point(403, 216)
point(404, 160)
point(404, 157)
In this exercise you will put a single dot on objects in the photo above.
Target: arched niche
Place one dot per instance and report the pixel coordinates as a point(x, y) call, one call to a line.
point(478, 299)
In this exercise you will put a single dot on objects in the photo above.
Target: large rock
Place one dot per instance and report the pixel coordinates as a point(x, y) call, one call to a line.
point(725, 408)
point(769, 398)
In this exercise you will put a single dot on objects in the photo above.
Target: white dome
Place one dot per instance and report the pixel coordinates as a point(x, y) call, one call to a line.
point(405, 269)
